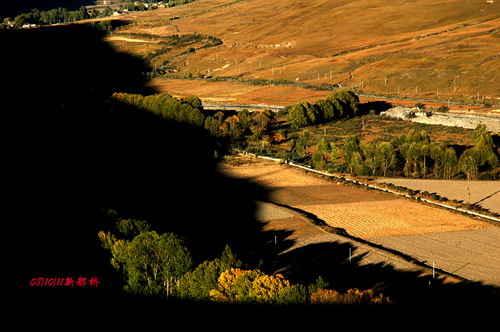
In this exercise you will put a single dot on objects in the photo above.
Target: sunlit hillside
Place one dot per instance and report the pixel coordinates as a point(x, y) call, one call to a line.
point(444, 49)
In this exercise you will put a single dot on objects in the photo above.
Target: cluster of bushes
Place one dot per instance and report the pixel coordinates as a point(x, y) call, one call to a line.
point(246, 127)
point(410, 155)
point(187, 110)
point(161, 265)
point(343, 103)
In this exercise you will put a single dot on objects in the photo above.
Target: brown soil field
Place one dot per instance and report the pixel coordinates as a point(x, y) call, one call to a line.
point(361, 212)
point(237, 93)
point(397, 223)
point(228, 93)
point(485, 193)
point(304, 232)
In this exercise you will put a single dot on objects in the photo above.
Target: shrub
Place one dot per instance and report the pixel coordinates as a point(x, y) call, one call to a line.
point(351, 297)
point(254, 286)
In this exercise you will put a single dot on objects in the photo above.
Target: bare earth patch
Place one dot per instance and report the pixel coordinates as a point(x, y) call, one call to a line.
point(485, 193)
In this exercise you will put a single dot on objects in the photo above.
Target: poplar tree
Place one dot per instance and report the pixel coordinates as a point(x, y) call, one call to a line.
point(385, 156)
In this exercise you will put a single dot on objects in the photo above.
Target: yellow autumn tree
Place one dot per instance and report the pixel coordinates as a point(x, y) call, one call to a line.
point(233, 285)
point(254, 286)
point(352, 296)
point(267, 288)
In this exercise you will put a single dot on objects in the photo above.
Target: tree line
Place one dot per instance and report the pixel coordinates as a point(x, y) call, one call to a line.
point(161, 265)
point(343, 103)
point(188, 110)
point(411, 155)
point(53, 16)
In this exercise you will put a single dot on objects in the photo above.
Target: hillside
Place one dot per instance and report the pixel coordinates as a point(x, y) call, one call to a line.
point(439, 50)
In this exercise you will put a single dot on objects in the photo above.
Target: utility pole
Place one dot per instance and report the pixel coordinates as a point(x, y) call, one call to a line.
point(385, 81)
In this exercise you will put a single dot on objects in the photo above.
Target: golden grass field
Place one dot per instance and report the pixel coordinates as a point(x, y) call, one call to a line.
point(445, 49)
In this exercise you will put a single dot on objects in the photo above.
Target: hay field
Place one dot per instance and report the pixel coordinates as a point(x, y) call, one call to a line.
point(455, 243)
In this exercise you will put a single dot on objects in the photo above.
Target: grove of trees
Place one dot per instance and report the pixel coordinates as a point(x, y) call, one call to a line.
point(340, 104)
point(188, 110)
point(155, 264)
point(411, 155)
point(53, 16)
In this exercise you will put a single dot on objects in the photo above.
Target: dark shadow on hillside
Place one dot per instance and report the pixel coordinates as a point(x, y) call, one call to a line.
point(406, 288)
point(377, 106)
point(68, 153)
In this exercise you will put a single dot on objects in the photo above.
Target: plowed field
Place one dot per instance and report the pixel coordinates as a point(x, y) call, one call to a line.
point(385, 219)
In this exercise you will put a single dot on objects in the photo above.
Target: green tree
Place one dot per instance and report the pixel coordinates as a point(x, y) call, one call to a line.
point(297, 116)
point(155, 263)
point(232, 127)
point(352, 153)
point(83, 13)
point(212, 125)
point(197, 284)
point(469, 166)
point(436, 154)
point(132, 227)
point(324, 146)
point(385, 156)
point(326, 108)
point(334, 151)
point(369, 153)
point(481, 135)
point(195, 102)
point(245, 120)
point(411, 153)
point(301, 144)
point(355, 163)
point(449, 163)
point(347, 100)
point(424, 153)
point(151, 263)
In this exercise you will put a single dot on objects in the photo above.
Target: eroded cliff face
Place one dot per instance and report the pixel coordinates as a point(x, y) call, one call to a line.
point(469, 121)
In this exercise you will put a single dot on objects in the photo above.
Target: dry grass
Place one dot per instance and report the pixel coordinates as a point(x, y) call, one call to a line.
point(383, 39)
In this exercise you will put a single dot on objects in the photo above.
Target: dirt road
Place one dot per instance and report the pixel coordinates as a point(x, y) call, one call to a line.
point(407, 226)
